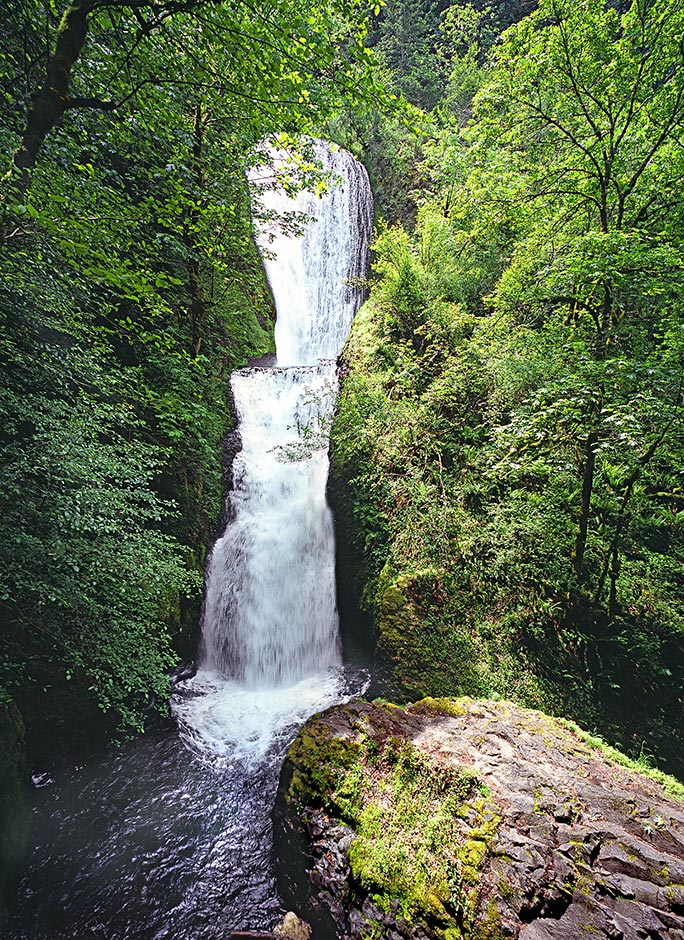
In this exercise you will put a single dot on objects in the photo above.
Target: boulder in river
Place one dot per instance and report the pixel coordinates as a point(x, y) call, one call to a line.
point(292, 928)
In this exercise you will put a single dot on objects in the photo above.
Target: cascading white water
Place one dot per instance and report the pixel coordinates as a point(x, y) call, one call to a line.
point(269, 654)
point(270, 617)
point(315, 279)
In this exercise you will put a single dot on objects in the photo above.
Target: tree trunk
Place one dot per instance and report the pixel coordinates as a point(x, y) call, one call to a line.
point(585, 507)
point(613, 605)
point(49, 102)
point(606, 314)
point(197, 308)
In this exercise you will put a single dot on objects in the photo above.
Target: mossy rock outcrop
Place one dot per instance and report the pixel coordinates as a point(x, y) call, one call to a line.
point(424, 646)
point(459, 819)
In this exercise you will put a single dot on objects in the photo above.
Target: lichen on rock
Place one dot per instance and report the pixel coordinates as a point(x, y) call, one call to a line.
point(473, 820)
point(292, 928)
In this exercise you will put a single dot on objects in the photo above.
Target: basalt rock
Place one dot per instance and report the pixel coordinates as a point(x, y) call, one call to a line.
point(474, 819)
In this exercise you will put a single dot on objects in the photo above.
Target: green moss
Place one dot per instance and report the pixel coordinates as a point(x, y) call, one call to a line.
point(489, 927)
point(326, 770)
point(445, 706)
point(423, 828)
point(472, 855)
point(505, 889)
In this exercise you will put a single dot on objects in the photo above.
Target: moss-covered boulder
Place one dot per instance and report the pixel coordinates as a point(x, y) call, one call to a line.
point(15, 818)
point(478, 820)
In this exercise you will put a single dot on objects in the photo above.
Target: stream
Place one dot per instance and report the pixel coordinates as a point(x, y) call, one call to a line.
point(169, 834)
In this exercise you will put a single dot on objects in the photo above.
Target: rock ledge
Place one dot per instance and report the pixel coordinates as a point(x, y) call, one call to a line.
point(458, 819)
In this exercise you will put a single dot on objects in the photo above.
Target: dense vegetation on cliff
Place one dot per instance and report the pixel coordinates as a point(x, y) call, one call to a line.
point(508, 452)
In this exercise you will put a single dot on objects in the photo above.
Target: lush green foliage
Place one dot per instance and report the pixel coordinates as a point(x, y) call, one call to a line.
point(429, 56)
point(516, 384)
point(511, 431)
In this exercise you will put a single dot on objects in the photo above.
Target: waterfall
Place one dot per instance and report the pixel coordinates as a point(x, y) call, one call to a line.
point(269, 653)
point(270, 617)
point(315, 278)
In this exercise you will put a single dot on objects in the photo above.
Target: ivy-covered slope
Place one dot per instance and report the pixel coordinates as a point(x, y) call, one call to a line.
point(404, 525)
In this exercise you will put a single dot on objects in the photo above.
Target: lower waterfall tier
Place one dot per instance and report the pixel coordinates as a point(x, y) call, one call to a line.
point(270, 616)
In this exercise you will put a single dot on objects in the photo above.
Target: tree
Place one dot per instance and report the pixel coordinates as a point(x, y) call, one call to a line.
point(538, 451)
point(280, 55)
point(408, 38)
point(587, 105)
point(131, 288)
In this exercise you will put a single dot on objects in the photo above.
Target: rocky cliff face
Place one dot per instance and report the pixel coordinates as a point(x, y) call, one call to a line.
point(474, 819)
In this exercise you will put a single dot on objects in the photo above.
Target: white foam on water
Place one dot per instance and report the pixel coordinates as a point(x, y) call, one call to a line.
point(223, 722)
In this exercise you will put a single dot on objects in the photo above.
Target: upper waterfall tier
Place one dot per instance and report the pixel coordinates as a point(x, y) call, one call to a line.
point(316, 277)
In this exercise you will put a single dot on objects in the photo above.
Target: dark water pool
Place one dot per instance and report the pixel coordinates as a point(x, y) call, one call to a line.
point(150, 843)
point(164, 840)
